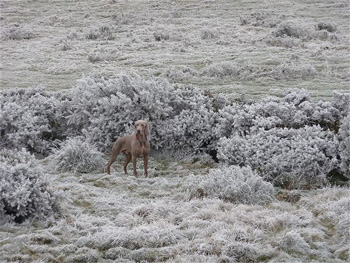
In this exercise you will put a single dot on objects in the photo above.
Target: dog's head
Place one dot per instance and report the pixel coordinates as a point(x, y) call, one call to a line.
point(142, 127)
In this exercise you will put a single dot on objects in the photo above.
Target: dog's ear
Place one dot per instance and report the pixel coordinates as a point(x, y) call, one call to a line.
point(146, 129)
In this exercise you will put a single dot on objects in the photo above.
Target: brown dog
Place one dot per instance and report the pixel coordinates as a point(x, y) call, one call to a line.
point(133, 146)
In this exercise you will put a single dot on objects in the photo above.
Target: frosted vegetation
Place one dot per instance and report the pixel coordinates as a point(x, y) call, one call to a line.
point(249, 108)
point(250, 207)
point(237, 47)
point(24, 193)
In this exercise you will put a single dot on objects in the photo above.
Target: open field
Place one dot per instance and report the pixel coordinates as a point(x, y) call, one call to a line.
point(237, 47)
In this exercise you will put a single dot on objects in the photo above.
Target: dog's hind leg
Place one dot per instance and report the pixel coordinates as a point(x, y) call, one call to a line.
point(115, 152)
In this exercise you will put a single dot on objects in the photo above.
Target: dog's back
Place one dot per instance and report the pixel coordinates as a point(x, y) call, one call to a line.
point(123, 144)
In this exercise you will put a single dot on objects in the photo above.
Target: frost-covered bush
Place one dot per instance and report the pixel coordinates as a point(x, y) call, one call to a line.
point(294, 71)
point(341, 101)
point(233, 184)
point(286, 42)
point(221, 69)
point(287, 30)
point(344, 146)
point(30, 118)
point(104, 109)
point(291, 158)
point(161, 35)
point(275, 130)
point(209, 34)
point(23, 191)
point(18, 32)
point(326, 26)
point(78, 156)
point(294, 110)
point(102, 32)
point(297, 31)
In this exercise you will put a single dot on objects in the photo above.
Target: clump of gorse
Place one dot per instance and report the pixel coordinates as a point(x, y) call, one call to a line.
point(78, 156)
point(24, 193)
point(232, 184)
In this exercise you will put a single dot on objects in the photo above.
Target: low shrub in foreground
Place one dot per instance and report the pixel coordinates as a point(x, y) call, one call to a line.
point(23, 192)
point(233, 184)
point(78, 156)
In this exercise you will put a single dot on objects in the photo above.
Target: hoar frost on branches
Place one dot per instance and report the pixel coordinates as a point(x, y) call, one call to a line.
point(290, 141)
point(78, 156)
point(106, 108)
point(234, 184)
point(292, 158)
point(23, 192)
point(32, 119)
point(184, 120)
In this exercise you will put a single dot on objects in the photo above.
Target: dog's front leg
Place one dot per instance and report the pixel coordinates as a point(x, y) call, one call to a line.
point(145, 165)
point(134, 165)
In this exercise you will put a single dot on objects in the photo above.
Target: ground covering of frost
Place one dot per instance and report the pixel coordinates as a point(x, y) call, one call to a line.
point(118, 218)
point(238, 47)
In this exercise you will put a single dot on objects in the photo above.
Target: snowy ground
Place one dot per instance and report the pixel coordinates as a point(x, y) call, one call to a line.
point(114, 218)
point(238, 47)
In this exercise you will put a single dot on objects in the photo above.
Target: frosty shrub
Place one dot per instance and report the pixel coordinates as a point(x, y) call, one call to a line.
point(344, 146)
point(286, 30)
point(161, 35)
point(23, 192)
point(233, 118)
point(294, 110)
point(325, 26)
point(286, 42)
point(30, 118)
point(297, 31)
point(290, 158)
point(234, 184)
point(209, 34)
point(294, 71)
point(18, 32)
point(221, 69)
point(341, 101)
point(78, 156)
point(105, 109)
point(102, 32)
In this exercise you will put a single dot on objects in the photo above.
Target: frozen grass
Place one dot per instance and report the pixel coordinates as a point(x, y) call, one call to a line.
point(284, 45)
point(118, 218)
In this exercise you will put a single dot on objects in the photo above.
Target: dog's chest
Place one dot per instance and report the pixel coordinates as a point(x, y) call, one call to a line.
point(141, 149)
